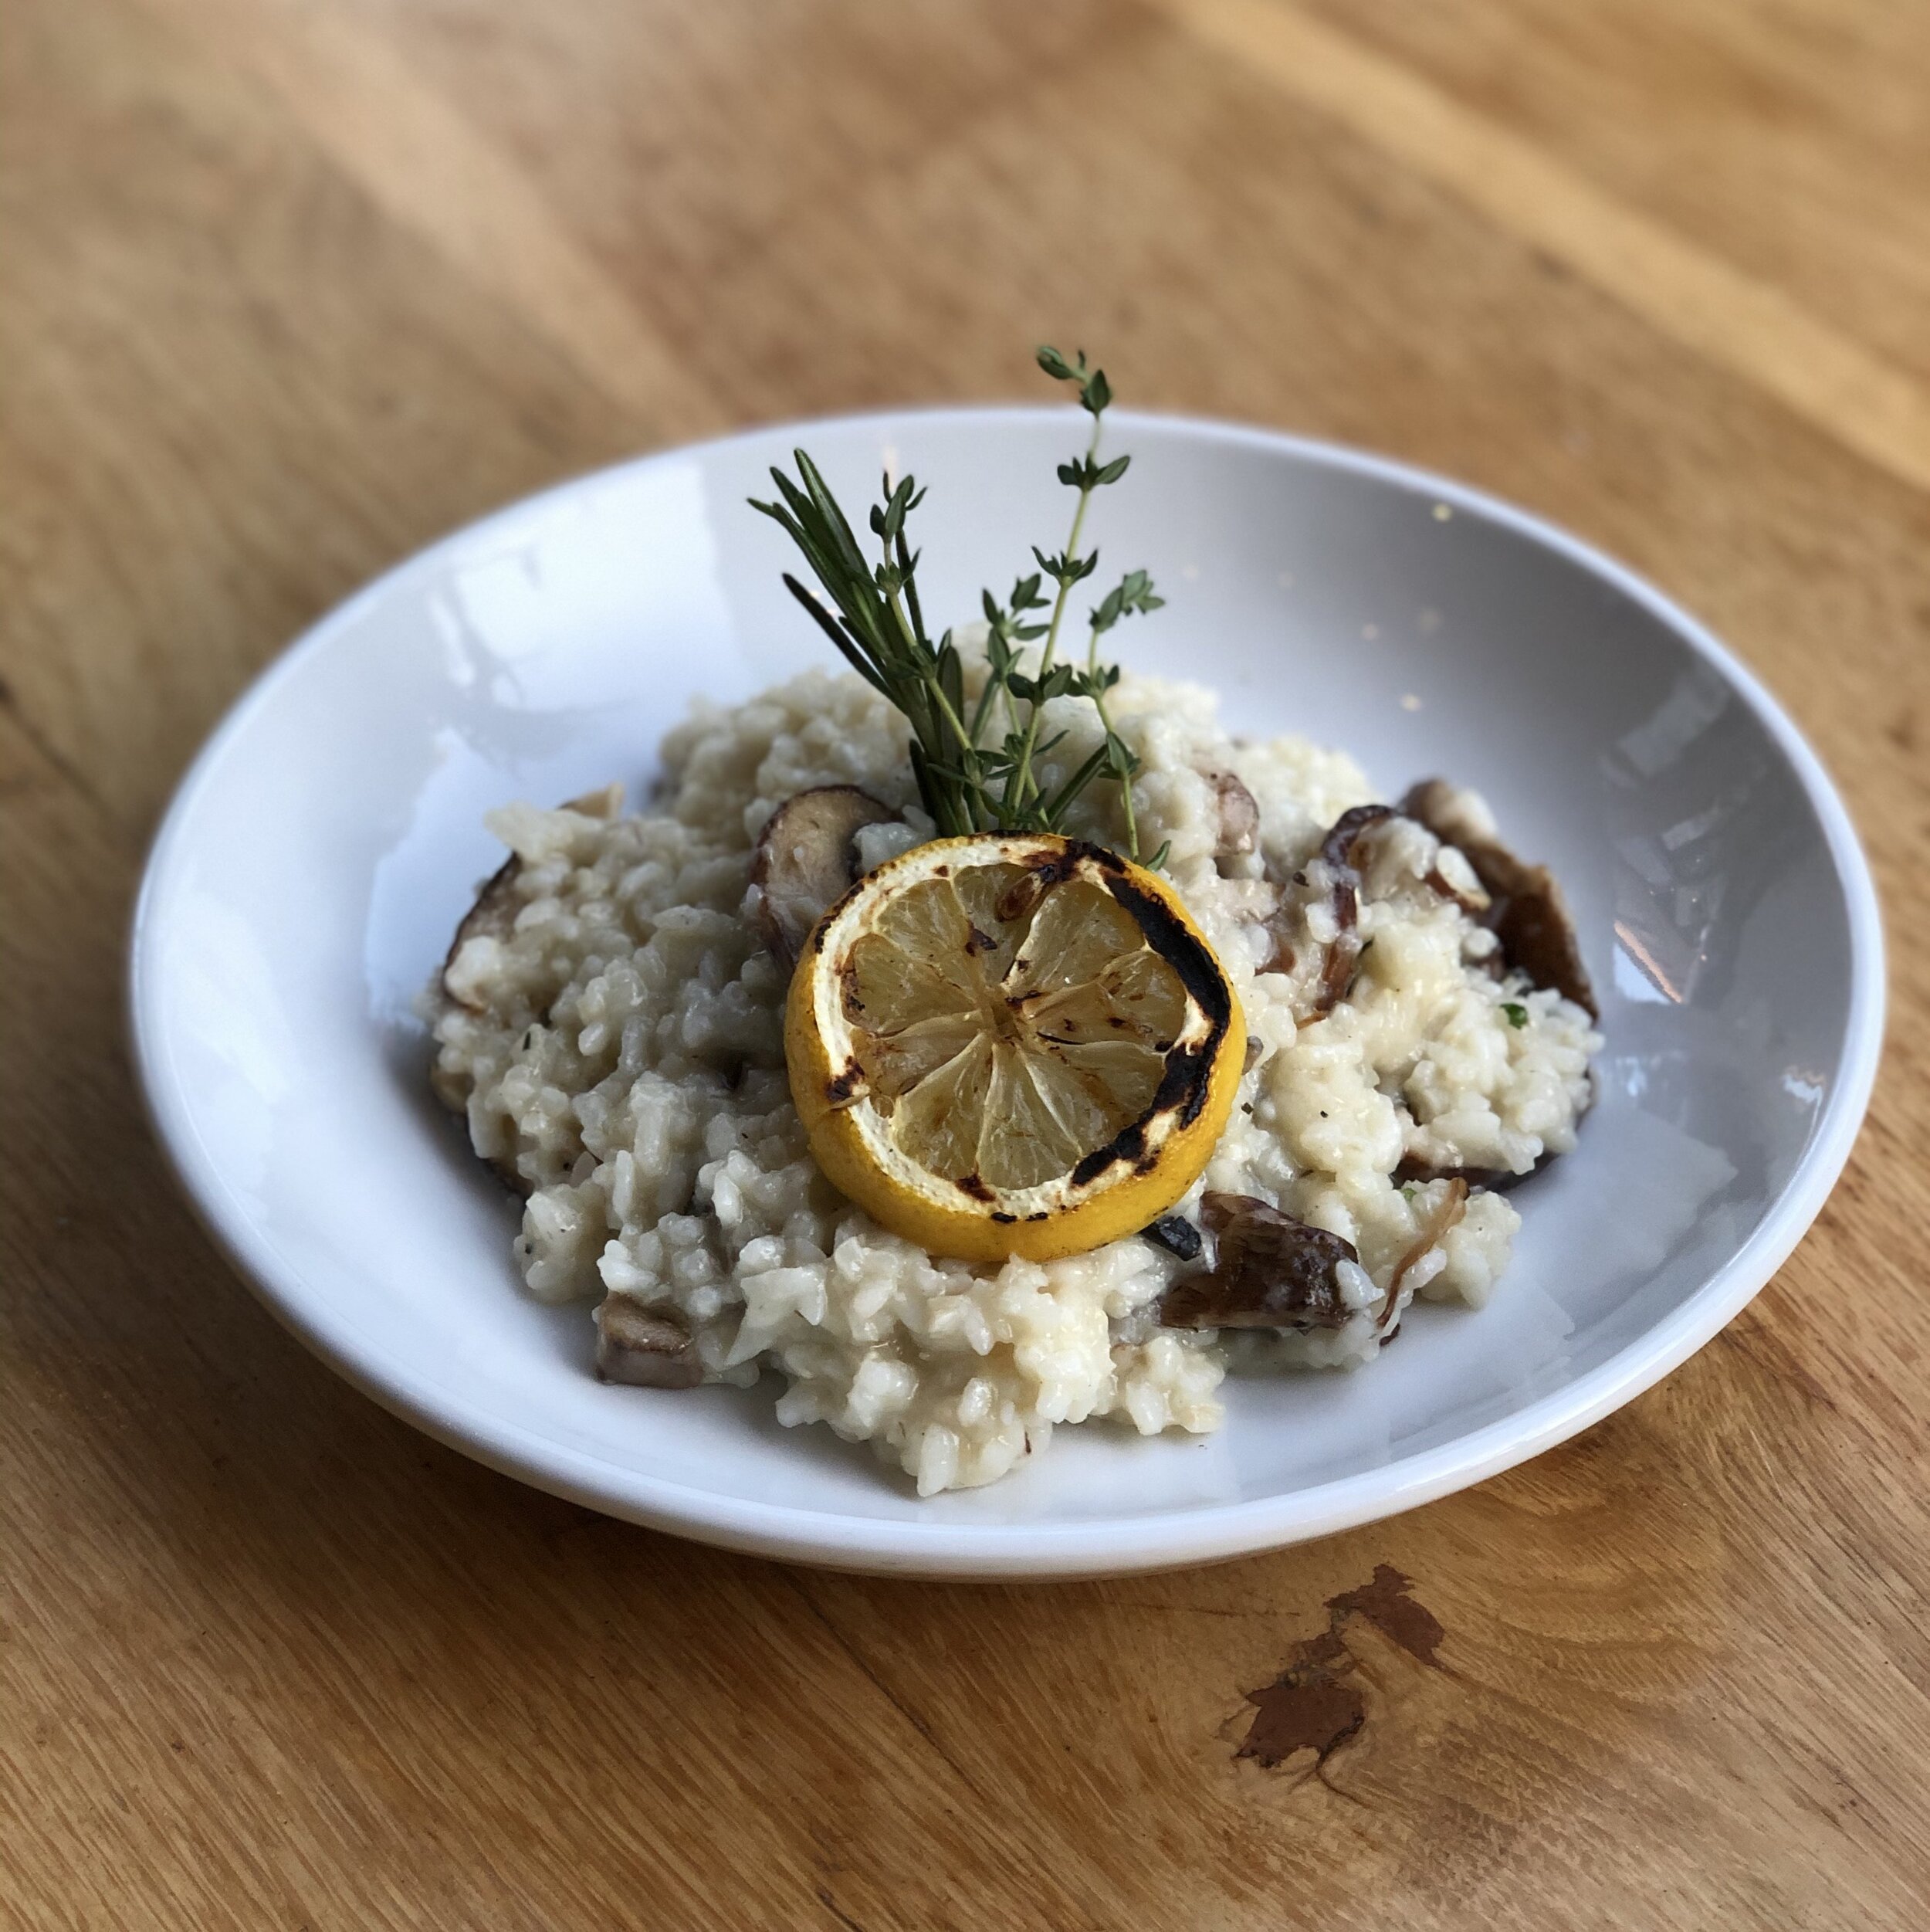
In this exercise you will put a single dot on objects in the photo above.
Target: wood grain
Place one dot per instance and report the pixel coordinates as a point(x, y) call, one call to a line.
point(290, 288)
point(1694, 294)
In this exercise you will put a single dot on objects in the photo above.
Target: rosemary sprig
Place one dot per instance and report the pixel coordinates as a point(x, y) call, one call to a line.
point(980, 772)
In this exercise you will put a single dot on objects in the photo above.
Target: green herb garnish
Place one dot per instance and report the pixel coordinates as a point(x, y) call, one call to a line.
point(977, 765)
point(1517, 1013)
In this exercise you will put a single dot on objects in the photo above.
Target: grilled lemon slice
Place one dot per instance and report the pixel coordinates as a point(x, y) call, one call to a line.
point(1012, 1045)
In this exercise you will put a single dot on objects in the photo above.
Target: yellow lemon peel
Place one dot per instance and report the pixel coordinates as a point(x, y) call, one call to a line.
point(1012, 1044)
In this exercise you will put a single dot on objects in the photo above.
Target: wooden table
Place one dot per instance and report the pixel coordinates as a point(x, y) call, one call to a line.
point(289, 289)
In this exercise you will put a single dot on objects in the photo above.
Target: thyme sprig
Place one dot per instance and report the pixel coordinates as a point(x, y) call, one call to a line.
point(977, 766)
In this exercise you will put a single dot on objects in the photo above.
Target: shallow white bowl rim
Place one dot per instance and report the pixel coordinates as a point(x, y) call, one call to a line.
point(1191, 1536)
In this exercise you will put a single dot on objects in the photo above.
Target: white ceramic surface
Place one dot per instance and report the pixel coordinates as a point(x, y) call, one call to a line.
point(307, 879)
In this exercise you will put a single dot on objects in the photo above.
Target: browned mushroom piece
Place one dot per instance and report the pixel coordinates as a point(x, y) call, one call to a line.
point(1528, 913)
point(807, 860)
point(1443, 1218)
point(1239, 815)
point(1496, 1180)
point(644, 1345)
point(1490, 1180)
point(1337, 849)
point(1348, 830)
point(1270, 1271)
point(1280, 924)
point(1467, 891)
point(493, 915)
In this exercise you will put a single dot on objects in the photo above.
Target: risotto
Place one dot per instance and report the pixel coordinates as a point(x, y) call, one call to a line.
point(610, 1024)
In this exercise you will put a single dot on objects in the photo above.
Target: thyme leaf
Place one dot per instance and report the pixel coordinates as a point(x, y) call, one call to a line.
point(976, 763)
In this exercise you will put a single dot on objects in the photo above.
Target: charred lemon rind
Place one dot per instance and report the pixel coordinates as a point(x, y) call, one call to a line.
point(1118, 913)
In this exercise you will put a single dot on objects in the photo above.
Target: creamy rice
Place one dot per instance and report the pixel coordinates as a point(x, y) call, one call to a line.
point(614, 1040)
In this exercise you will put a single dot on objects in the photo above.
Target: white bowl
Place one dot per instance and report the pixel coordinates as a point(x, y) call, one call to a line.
point(307, 877)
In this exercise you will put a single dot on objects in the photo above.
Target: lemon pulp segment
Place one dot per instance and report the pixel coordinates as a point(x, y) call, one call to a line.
point(1012, 1045)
